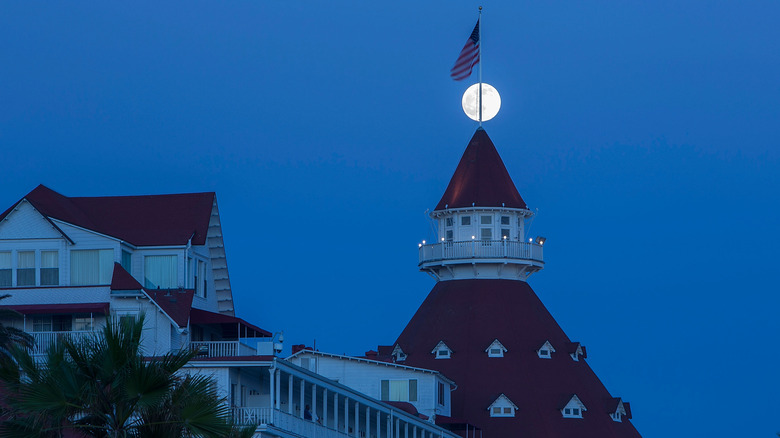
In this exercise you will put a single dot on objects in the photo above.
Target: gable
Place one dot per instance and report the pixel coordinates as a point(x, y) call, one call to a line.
point(25, 222)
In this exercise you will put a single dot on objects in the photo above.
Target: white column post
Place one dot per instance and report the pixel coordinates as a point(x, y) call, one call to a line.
point(378, 424)
point(313, 401)
point(278, 389)
point(397, 428)
point(346, 415)
point(290, 394)
point(368, 421)
point(336, 411)
point(406, 430)
point(357, 418)
point(272, 387)
point(325, 407)
point(303, 398)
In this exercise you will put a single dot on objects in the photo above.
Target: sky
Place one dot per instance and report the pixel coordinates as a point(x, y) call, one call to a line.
point(645, 133)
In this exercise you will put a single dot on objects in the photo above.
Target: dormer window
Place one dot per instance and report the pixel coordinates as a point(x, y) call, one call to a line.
point(546, 350)
point(574, 408)
point(576, 350)
point(496, 349)
point(398, 354)
point(442, 351)
point(502, 407)
point(618, 410)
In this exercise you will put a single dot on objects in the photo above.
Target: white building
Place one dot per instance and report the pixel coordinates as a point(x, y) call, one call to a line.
point(427, 391)
point(71, 264)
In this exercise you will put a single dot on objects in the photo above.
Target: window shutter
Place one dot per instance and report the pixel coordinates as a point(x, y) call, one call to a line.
point(412, 390)
point(385, 390)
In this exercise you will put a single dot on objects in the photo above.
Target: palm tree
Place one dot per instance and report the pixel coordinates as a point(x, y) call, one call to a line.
point(10, 336)
point(104, 387)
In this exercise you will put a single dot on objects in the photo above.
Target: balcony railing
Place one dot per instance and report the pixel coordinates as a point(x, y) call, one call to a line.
point(264, 417)
point(222, 348)
point(45, 339)
point(481, 249)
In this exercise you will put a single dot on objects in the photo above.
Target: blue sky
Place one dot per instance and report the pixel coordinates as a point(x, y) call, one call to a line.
point(645, 133)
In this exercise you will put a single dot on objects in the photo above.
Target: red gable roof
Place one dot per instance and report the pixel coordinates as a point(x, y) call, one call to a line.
point(149, 220)
point(469, 315)
point(481, 179)
point(122, 280)
point(199, 316)
point(176, 303)
point(37, 309)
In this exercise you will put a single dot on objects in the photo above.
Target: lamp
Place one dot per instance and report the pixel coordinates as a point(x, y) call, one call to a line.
point(540, 240)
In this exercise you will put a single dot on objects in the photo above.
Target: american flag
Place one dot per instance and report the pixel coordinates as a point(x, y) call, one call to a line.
point(468, 58)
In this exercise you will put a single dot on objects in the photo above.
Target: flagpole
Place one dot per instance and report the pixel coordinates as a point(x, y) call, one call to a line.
point(480, 67)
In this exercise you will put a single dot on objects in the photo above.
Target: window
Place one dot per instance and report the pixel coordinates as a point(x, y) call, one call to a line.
point(465, 220)
point(399, 390)
point(5, 269)
point(91, 266)
point(441, 351)
point(200, 279)
point(398, 354)
point(546, 350)
point(486, 220)
point(127, 261)
point(25, 268)
point(42, 324)
point(495, 349)
point(502, 407)
point(448, 222)
point(504, 220)
point(486, 234)
point(449, 236)
point(574, 408)
point(82, 323)
point(440, 394)
point(160, 272)
point(50, 271)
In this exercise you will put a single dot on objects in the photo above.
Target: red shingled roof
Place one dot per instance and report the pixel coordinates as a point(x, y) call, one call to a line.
point(149, 220)
point(199, 316)
point(468, 315)
point(481, 179)
point(122, 280)
point(176, 303)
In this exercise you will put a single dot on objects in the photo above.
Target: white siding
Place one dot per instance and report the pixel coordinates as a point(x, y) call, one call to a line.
point(27, 223)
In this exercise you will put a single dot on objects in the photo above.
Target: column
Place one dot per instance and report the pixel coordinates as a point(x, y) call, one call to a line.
point(346, 415)
point(325, 407)
point(357, 418)
point(406, 430)
point(368, 422)
point(313, 400)
point(290, 394)
point(336, 411)
point(378, 424)
point(278, 389)
point(303, 398)
point(272, 386)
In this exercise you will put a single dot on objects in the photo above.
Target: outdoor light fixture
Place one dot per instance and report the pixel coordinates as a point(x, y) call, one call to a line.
point(540, 240)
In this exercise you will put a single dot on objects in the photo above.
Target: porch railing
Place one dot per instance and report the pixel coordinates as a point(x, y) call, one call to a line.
point(481, 249)
point(222, 348)
point(282, 420)
point(45, 339)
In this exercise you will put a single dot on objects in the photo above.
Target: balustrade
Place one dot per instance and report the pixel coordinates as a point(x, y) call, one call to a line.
point(481, 249)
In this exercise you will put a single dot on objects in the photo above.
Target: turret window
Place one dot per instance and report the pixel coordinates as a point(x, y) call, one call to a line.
point(486, 234)
point(486, 220)
point(465, 220)
point(448, 234)
point(504, 220)
point(448, 222)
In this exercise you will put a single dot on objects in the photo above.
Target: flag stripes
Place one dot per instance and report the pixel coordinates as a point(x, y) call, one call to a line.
point(468, 58)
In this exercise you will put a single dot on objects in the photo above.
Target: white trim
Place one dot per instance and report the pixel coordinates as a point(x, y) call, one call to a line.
point(547, 346)
point(496, 344)
point(441, 347)
point(574, 408)
point(502, 402)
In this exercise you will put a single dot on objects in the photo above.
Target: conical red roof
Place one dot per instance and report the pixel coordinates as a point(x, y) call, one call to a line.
point(468, 315)
point(481, 179)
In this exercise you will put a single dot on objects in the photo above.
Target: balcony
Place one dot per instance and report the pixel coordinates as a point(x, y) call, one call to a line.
point(45, 339)
point(222, 348)
point(269, 418)
point(443, 253)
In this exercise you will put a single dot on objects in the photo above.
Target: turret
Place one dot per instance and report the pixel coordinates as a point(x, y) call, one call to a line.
point(481, 222)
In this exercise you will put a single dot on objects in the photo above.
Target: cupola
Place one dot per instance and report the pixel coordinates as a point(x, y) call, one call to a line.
point(481, 220)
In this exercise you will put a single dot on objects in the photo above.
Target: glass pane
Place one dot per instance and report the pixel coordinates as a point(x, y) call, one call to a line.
point(385, 390)
point(399, 390)
point(50, 259)
point(127, 259)
point(5, 278)
point(50, 276)
point(448, 221)
point(5, 260)
point(486, 234)
point(486, 220)
point(413, 390)
point(91, 267)
point(160, 272)
point(26, 259)
point(496, 410)
point(504, 220)
point(507, 410)
point(465, 220)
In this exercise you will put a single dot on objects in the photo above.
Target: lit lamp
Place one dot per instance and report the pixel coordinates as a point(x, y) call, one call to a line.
point(540, 240)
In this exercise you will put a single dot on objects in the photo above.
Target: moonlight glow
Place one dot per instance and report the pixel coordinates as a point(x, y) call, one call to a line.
point(491, 102)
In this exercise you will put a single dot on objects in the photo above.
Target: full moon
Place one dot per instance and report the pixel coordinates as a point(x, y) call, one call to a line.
point(491, 102)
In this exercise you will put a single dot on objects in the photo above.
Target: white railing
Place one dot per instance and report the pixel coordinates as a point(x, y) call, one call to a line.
point(282, 420)
point(43, 340)
point(481, 249)
point(222, 348)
